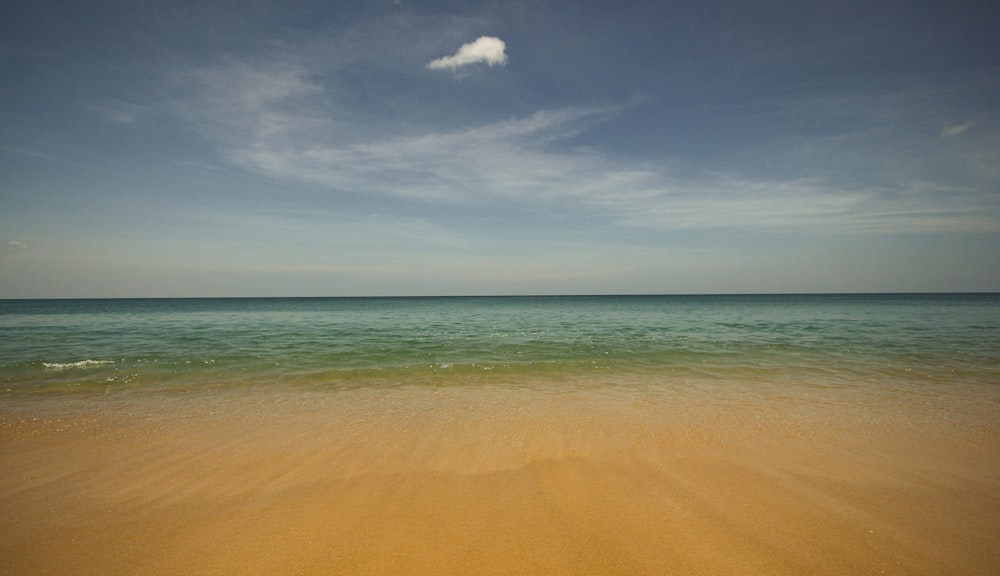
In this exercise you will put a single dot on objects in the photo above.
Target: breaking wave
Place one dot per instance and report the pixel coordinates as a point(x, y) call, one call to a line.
point(80, 364)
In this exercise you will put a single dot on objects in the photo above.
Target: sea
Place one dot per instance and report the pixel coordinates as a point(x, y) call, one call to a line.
point(831, 344)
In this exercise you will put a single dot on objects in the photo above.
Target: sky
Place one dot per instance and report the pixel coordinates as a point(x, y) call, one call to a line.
point(402, 147)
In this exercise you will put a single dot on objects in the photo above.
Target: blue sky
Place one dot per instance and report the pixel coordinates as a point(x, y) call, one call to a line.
point(313, 148)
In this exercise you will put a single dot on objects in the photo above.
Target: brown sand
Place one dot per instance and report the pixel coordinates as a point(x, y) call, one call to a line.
point(493, 481)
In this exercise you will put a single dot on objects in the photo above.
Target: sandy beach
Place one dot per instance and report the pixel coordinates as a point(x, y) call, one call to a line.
point(493, 481)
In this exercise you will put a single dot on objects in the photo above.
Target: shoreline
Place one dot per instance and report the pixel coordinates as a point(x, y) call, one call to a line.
point(495, 480)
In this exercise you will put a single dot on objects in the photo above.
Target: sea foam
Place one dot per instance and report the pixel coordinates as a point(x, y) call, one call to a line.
point(80, 364)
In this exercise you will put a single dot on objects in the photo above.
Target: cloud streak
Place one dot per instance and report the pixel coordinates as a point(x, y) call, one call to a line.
point(118, 112)
point(485, 49)
point(276, 119)
point(13, 246)
point(953, 130)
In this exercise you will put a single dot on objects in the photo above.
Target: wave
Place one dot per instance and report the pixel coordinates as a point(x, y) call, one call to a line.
point(80, 364)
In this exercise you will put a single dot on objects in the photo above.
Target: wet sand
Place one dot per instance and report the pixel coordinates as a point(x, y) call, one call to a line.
point(495, 481)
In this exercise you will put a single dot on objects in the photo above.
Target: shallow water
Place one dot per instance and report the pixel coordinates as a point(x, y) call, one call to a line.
point(835, 340)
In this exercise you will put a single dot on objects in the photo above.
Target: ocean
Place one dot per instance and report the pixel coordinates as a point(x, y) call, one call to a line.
point(792, 342)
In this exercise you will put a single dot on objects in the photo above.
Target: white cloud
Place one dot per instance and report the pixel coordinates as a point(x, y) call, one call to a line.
point(953, 130)
point(486, 49)
point(13, 246)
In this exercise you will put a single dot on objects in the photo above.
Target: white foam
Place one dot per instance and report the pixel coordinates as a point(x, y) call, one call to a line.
point(80, 364)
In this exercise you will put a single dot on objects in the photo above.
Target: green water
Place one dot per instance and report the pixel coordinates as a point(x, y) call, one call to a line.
point(838, 340)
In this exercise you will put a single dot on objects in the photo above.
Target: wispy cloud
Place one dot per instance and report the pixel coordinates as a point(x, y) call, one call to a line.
point(274, 119)
point(13, 246)
point(486, 49)
point(279, 119)
point(117, 111)
point(726, 203)
point(953, 130)
point(235, 101)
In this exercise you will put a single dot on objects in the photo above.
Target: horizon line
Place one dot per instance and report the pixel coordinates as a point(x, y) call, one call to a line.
point(524, 295)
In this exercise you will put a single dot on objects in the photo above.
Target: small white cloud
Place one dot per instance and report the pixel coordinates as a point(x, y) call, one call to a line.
point(486, 49)
point(953, 130)
point(11, 246)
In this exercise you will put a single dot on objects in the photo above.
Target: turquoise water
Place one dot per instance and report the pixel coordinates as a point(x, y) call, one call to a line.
point(843, 340)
